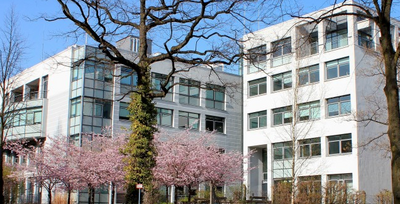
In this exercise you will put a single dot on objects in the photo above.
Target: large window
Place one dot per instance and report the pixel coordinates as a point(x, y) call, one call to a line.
point(337, 180)
point(258, 86)
point(310, 147)
point(95, 70)
point(339, 105)
point(128, 77)
point(283, 150)
point(187, 120)
point(164, 117)
point(189, 91)
point(257, 119)
point(214, 123)
point(123, 111)
point(309, 75)
point(158, 79)
point(337, 68)
point(282, 81)
point(215, 96)
point(280, 49)
point(339, 144)
point(257, 56)
point(365, 38)
point(336, 33)
point(309, 111)
point(282, 115)
point(97, 108)
point(75, 107)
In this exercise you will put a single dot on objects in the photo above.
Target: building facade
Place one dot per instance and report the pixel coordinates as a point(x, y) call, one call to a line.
point(307, 88)
point(77, 91)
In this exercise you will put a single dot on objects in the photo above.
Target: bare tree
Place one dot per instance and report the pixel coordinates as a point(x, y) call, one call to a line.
point(11, 52)
point(179, 30)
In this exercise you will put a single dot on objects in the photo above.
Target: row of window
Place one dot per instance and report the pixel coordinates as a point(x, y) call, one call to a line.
point(307, 75)
point(25, 117)
point(337, 144)
point(186, 119)
point(340, 105)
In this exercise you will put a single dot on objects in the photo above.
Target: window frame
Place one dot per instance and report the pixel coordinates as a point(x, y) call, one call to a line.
point(214, 91)
point(121, 106)
point(280, 78)
point(340, 101)
point(130, 75)
point(309, 72)
point(333, 36)
point(311, 108)
point(214, 120)
point(186, 93)
point(188, 116)
point(338, 66)
point(161, 114)
point(282, 111)
point(310, 145)
point(157, 79)
point(281, 51)
point(259, 115)
point(341, 141)
point(257, 83)
point(286, 149)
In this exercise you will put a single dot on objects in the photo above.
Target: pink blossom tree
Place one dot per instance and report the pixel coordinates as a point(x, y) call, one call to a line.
point(186, 159)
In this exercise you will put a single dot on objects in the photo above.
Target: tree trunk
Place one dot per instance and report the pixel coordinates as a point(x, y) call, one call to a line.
point(212, 193)
point(69, 197)
point(2, 200)
point(112, 192)
point(189, 191)
point(90, 194)
point(49, 196)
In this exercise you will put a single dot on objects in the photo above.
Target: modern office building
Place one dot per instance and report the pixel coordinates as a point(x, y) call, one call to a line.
point(74, 92)
point(306, 86)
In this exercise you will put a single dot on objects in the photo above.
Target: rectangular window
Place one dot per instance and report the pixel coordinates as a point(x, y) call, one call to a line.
point(258, 86)
point(309, 75)
point(214, 123)
point(37, 117)
point(337, 68)
point(189, 91)
point(158, 80)
point(128, 77)
point(283, 150)
point(123, 111)
point(310, 147)
point(339, 144)
point(365, 38)
point(258, 119)
point(339, 105)
point(164, 117)
point(336, 33)
point(215, 96)
point(282, 81)
point(335, 182)
point(281, 49)
point(257, 56)
point(189, 120)
point(75, 107)
point(309, 111)
point(97, 108)
point(282, 115)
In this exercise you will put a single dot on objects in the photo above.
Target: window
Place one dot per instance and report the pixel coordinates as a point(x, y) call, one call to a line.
point(258, 55)
point(337, 68)
point(258, 119)
point(310, 147)
point(258, 86)
point(187, 120)
point(309, 75)
point(164, 117)
point(158, 79)
point(309, 111)
point(282, 115)
point(128, 77)
point(336, 33)
point(365, 38)
point(215, 123)
point(77, 72)
point(123, 111)
point(282, 81)
point(339, 105)
point(189, 91)
point(215, 96)
point(341, 179)
point(97, 108)
point(264, 154)
point(359, 17)
point(281, 49)
point(314, 41)
point(75, 107)
point(339, 144)
point(283, 150)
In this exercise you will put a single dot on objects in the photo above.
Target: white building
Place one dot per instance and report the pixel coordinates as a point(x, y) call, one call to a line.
point(73, 93)
point(304, 85)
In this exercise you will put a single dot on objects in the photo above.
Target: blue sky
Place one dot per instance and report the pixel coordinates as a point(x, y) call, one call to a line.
point(42, 38)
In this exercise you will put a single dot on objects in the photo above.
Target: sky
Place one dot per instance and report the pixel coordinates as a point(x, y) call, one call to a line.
point(42, 39)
